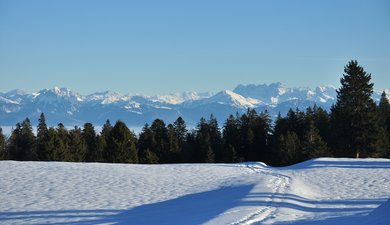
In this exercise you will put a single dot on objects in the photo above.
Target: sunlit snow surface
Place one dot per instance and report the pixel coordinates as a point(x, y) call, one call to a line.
point(321, 191)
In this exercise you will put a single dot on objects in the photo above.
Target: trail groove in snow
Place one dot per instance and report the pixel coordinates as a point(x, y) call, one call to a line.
point(278, 182)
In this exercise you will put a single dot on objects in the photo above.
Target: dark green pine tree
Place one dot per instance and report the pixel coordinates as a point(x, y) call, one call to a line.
point(216, 140)
point(322, 122)
point(43, 151)
point(160, 140)
point(313, 145)
point(290, 148)
point(180, 129)
point(231, 139)
point(382, 144)
point(52, 142)
point(353, 115)
point(22, 142)
point(145, 144)
point(93, 153)
point(262, 130)
point(148, 157)
point(174, 145)
point(103, 139)
point(3, 153)
point(61, 150)
point(121, 145)
point(77, 145)
point(384, 112)
point(205, 153)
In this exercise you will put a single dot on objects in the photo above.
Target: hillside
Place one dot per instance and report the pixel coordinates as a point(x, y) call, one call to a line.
point(320, 191)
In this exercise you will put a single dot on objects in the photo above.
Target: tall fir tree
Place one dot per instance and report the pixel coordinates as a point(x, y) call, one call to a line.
point(353, 115)
point(22, 142)
point(290, 148)
point(93, 153)
point(61, 151)
point(384, 111)
point(204, 152)
point(180, 129)
point(313, 145)
point(382, 144)
point(3, 153)
point(215, 139)
point(77, 145)
point(145, 144)
point(160, 140)
point(174, 145)
point(121, 145)
point(43, 151)
point(231, 139)
point(103, 139)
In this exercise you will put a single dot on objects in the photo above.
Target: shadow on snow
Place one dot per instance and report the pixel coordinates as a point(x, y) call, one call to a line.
point(199, 208)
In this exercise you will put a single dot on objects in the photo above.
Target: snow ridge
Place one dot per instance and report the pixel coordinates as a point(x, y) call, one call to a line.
point(66, 106)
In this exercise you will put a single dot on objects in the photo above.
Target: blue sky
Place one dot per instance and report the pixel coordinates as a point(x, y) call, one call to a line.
point(158, 47)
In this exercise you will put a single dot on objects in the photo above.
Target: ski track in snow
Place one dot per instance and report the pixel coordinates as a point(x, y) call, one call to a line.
point(280, 184)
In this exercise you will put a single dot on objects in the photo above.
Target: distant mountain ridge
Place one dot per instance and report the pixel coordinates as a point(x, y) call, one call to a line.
point(71, 108)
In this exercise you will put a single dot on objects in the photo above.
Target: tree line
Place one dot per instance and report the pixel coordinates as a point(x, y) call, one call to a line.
point(354, 127)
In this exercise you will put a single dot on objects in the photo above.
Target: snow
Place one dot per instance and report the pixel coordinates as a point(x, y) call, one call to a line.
point(319, 192)
point(180, 97)
point(229, 97)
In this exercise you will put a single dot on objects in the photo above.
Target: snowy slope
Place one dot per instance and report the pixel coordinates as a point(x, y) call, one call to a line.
point(321, 191)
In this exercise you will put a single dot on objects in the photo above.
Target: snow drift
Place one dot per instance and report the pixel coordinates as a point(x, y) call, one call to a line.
point(321, 191)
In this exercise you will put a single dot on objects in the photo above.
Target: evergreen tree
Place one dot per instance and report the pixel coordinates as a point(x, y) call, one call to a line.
point(22, 142)
point(322, 122)
point(160, 138)
point(382, 144)
point(180, 129)
point(61, 151)
point(247, 136)
point(255, 130)
point(77, 145)
point(231, 139)
point(145, 143)
point(290, 148)
point(43, 151)
point(51, 143)
point(353, 116)
point(215, 140)
point(205, 153)
point(262, 130)
point(210, 156)
point(174, 145)
point(93, 153)
point(148, 157)
point(103, 139)
point(121, 145)
point(313, 145)
point(3, 153)
point(189, 151)
point(384, 112)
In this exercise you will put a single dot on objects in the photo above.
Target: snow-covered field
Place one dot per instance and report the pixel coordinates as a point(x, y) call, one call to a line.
point(321, 191)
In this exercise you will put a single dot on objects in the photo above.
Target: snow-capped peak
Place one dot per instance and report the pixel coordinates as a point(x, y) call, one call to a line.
point(57, 94)
point(229, 97)
point(180, 97)
point(107, 97)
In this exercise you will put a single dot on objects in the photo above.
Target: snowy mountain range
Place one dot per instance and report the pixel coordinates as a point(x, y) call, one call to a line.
point(70, 108)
